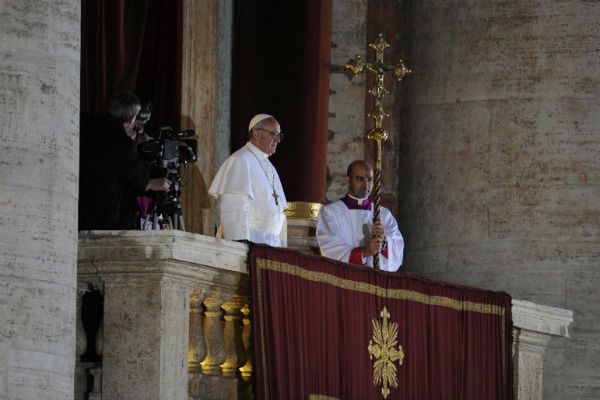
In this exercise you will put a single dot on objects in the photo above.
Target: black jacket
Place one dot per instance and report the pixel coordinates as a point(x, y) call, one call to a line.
point(111, 175)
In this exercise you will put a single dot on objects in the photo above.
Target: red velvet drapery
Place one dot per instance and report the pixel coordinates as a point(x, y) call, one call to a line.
point(316, 325)
point(281, 67)
point(132, 45)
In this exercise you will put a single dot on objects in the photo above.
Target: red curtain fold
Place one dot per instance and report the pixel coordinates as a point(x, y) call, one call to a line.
point(133, 45)
point(314, 320)
point(281, 66)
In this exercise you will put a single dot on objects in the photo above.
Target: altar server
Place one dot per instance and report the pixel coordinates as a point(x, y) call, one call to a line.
point(250, 194)
point(345, 229)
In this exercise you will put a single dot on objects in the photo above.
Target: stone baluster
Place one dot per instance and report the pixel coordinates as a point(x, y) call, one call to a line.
point(246, 369)
point(81, 339)
point(80, 344)
point(218, 379)
point(213, 335)
point(233, 336)
point(96, 372)
point(197, 351)
point(96, 393)
point(99, 343)
point(84, 387)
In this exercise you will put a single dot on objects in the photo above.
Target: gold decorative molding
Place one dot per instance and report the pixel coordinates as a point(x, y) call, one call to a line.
point(303, 210)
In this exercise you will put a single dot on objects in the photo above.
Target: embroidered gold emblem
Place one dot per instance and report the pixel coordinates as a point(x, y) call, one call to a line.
point(383, 348)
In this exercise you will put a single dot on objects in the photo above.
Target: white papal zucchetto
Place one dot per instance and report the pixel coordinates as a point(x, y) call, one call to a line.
point(257, 118)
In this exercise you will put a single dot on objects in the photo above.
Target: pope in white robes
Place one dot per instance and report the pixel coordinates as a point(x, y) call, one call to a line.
point(345, 229)
point(250, 194)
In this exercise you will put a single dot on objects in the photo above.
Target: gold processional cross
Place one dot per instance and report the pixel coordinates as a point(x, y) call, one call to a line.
point(379, 67)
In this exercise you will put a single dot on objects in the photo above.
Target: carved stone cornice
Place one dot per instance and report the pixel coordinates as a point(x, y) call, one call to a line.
point(122, 256)
point(542, 319)
point(157, 245)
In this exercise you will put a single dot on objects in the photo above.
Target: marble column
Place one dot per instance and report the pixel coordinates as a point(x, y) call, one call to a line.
point(206, 102)
point(39, 170)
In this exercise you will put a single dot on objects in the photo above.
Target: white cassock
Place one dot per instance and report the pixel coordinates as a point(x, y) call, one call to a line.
point(244, 187)
point(340, 230)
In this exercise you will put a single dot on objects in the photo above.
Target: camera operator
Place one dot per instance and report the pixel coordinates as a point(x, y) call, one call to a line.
point(112, 172)
point(143, 118)
point(144, 200)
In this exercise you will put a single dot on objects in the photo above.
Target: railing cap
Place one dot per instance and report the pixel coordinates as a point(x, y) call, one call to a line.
point(539, 318)
point(170, 245)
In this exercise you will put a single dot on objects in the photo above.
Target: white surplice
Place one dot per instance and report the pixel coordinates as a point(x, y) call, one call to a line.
point(244, 187)
point(340, 230)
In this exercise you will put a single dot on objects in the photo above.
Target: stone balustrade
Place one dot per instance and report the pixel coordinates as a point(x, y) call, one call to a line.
point(175, 315)
point(176, 322)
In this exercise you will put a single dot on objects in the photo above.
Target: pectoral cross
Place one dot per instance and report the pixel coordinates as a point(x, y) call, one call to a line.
point(276, 197)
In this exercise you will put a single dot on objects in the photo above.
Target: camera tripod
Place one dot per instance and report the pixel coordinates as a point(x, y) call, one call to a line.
point(166, 214)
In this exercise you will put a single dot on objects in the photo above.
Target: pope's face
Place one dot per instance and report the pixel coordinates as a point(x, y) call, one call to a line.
point(360, 183)
point(267, 136)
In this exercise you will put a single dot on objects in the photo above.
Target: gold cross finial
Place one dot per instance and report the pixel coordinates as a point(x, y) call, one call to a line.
point(379, 46)
point(379, 67)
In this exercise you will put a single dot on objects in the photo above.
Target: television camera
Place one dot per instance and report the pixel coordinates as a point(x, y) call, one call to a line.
point(166, 152)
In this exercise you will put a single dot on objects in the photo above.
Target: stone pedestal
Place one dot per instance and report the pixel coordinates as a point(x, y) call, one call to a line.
point(146, 320)
point(148, 279)
point(301, 226)
point(533, 326)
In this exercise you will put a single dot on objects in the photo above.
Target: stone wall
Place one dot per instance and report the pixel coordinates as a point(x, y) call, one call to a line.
point(39, 141)
point(346, 99)
point(501, 169)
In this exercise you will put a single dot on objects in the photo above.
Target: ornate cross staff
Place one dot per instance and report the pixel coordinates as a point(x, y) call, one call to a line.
point(378, 134)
